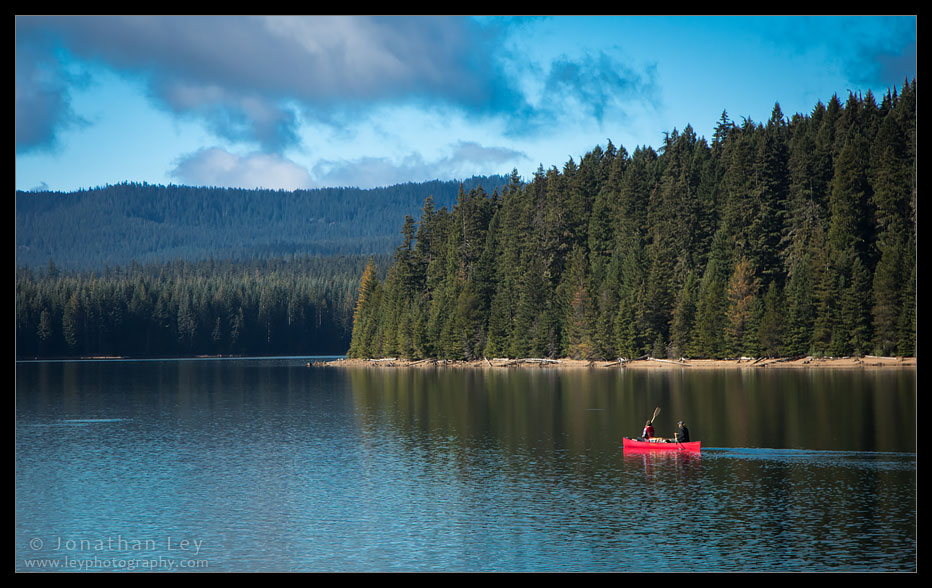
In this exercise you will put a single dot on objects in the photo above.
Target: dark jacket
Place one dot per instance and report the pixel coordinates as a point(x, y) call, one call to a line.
point(682, 434)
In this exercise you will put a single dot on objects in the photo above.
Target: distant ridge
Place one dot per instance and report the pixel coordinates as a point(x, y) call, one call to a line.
point(118, 224)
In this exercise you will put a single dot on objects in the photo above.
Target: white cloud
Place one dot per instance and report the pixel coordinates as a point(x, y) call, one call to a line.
point(217, 167)
point(466, 159)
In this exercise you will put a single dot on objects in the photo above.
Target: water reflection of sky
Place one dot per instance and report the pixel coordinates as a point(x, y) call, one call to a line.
point(280, 467)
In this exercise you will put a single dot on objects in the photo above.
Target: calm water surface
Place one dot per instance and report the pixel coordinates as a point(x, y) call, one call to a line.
point(268, 465)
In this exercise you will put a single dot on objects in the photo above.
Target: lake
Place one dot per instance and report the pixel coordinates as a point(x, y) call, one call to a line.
point(269, 465)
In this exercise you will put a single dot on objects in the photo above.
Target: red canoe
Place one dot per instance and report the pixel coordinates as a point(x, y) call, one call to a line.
point(660, 445)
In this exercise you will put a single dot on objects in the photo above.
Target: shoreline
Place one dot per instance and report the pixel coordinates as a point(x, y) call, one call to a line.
point(862, 362)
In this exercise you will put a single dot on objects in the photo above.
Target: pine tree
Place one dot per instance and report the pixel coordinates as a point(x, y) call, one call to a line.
point(710, 321)
point(578, 308)
point(906, 341)
point(630, 324)
point(468, 325)
point(684, 317)
point(364, 316)
point(742, 302)
point(769, 193)
point(891, 183)
point(71, 322)
point(850, 198)
point(44, 330)
point(771, 330)
point(856, 309)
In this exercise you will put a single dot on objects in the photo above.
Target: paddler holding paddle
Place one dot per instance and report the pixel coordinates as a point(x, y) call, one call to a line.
point(648, 432)
point(682, 433)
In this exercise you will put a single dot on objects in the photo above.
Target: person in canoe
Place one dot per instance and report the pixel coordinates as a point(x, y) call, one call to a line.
point(648, 432)
point(682, 433)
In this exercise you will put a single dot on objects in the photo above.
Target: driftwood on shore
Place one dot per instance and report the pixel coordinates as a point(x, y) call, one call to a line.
point(538, 360)
point(785, 359)
point(678, 362)
point(420, 361)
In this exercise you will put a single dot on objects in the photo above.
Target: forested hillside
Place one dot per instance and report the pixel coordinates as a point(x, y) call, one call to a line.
point(117, 225)
point(296, 306)
point(792, 236)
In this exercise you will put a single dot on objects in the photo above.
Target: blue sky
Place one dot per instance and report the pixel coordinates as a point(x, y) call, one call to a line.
point(311, 101)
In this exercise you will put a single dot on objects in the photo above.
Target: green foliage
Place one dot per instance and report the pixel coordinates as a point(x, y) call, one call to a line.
point(743, 304)
point(794, 236)
point(772, 323)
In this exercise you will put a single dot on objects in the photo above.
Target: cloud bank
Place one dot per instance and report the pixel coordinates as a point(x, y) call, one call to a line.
point(238, 72)
point(41, 100)
point(217, 167)
point(271, 90)
point(253, 81)
point(466, 159)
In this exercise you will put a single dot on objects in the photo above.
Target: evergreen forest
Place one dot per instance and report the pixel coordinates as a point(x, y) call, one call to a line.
point(780, 238)
point(295, 306)
point(142, 270)
point(120, 224)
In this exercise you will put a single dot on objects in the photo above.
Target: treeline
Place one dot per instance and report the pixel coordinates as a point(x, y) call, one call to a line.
point(794, 236)
point(294, 306)
point(119, 224)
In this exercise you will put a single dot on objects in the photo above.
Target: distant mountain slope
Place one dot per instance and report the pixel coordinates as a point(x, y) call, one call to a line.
point(115, 225)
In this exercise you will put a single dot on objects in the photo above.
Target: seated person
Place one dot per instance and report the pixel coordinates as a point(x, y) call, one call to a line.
point(682, 433)
point(648, 432)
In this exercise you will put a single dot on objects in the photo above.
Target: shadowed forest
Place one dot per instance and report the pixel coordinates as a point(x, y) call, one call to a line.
point(296, 306)
point(142, 270)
